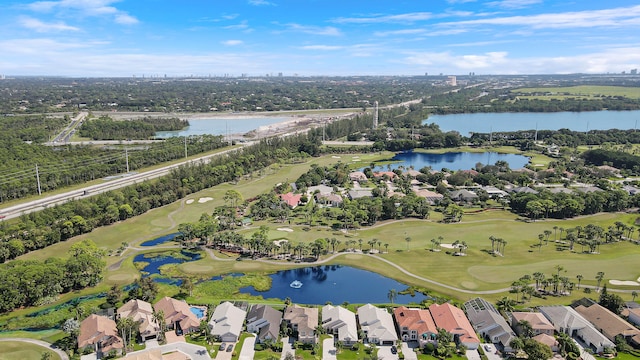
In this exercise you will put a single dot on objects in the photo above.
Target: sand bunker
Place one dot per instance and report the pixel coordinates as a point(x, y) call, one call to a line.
point(335, 157)
point(448, 246)
point(285, 229)
point(624, 283)
point(190, 201)
point(203, 200)
point(278, 243)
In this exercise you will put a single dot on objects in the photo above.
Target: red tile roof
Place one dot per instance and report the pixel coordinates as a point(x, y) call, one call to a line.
point(453, 319)
point(415, 319)
point(291, 199)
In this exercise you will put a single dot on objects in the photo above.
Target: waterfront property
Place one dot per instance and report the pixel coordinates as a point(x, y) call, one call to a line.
point(142, 313)
point(489, 323)
point(303, 321)
point(341, 323)
point(226, 322)
point(566, 320)
point(538, 322)
point(377, 325)
point(100, 334)
point(415, 325)
point(177, 315)
point(455, 322)
point(264, 321)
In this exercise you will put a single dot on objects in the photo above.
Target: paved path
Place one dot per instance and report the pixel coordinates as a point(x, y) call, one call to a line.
point(247, 352)
point(287, 348)
point(328, 349)
point(45, 344)
point(196, 352)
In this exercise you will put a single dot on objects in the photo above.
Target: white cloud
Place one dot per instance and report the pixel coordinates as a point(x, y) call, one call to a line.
point(232, 42)
point(421, 32)
point(261, 3)
point(322, 47)
point(314, 30)
point(629, 16)
point(243, 25)
point(399, 18)
point(84, 8)
point(40, 26)
point(513, 4)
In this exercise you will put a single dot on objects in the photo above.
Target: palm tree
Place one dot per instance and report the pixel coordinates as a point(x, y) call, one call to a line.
point(525, 329)
point(392, 295)
point(579, 277)
point(538, 277)
point(599, 278)
point(634, 295)
point(540, 238)
point(408, 240)
point(493, 241)
point(516, 344)
point(504, 244)
point(559, 268)
point(386, 247)
point(360, 243)
point(555, 233)
point(506, 304)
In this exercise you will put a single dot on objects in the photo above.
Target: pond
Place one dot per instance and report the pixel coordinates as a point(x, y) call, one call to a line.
point(156, 260)
point(453, 160)
point(221, 126)
point(334, 283)
point(160, 240)
point(576, 121)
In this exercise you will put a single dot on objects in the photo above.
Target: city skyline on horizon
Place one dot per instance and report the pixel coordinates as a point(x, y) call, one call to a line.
point(154, 38)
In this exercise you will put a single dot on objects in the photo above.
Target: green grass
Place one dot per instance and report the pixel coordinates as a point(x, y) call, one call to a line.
point(11, 350)
point(589, 91)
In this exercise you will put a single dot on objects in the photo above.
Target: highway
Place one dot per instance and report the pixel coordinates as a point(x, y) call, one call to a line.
point(125, 180)
point(69, 130)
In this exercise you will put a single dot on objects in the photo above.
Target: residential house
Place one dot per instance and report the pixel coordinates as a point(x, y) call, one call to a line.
point(489, 323)
point(632, 190)
point(494, 192)
point(566, 320)
point(381, 175)
point(415, 325)
point(357, 176)
point(538, 322)
point(142, 313)
point(610, 324)
point(332, 200)
point(454, 321)
point(634, 316)
point(412, 173)
point(360, 193)
point(304, 321)
point(177, 315)
point(319, 189)
point(377, 325)
point(548, 340)
point(226, 322)
point(431, 196)
point(463, 195)
point(264, 321)
point(523, 190)
point(588, 189)
point(100, 334)
point(291, 199)
point(341, 323)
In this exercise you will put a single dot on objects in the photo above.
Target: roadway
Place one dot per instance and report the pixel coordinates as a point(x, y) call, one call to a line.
point(87, 191)
point(69, 130)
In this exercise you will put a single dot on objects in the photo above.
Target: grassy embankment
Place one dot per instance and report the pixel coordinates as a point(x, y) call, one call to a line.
point(11, 350)
point(478, 271)
point(581, 91)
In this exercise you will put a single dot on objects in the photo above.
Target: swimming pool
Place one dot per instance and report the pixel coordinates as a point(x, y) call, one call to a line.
point(199, 311)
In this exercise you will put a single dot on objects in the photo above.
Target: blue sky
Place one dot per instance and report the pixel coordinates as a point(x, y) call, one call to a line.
point(317, 37)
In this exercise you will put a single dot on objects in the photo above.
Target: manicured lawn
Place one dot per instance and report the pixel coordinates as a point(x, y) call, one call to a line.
point(266, 355)
point(12, 350)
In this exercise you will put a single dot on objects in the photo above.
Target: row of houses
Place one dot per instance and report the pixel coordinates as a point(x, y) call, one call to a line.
point(586, 321)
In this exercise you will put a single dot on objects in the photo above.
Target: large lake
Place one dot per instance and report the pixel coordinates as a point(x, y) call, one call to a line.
point(336, 284)
point(453, 160)
point(222, 126)
point(577, 121)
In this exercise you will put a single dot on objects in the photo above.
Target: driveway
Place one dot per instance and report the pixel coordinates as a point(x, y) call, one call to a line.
point(196, 352)
point(247, 352)
point(328, 349)
point(384, 352)
point(287, 348)
point(409, 353)
point(491, 355)
point(224, 354)
point(473, 355)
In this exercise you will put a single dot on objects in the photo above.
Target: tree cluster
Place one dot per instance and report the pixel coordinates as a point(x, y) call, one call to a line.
point(28, 283)
point(105, 128)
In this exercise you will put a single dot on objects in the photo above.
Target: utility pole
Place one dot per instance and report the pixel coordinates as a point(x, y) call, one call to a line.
point(185, 147)
point(126, 156)
point(38, 179)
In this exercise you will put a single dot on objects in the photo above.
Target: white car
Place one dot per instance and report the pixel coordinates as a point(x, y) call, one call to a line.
point(488, 348)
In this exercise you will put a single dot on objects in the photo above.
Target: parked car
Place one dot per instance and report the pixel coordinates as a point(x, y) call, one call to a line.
point(394, 349)
point(230, 347)
point(488, 348)
point(223, 346)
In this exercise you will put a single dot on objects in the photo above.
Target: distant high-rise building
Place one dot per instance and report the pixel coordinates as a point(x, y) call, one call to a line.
point(634, 71)
point(375, 114)
point(452, 80)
